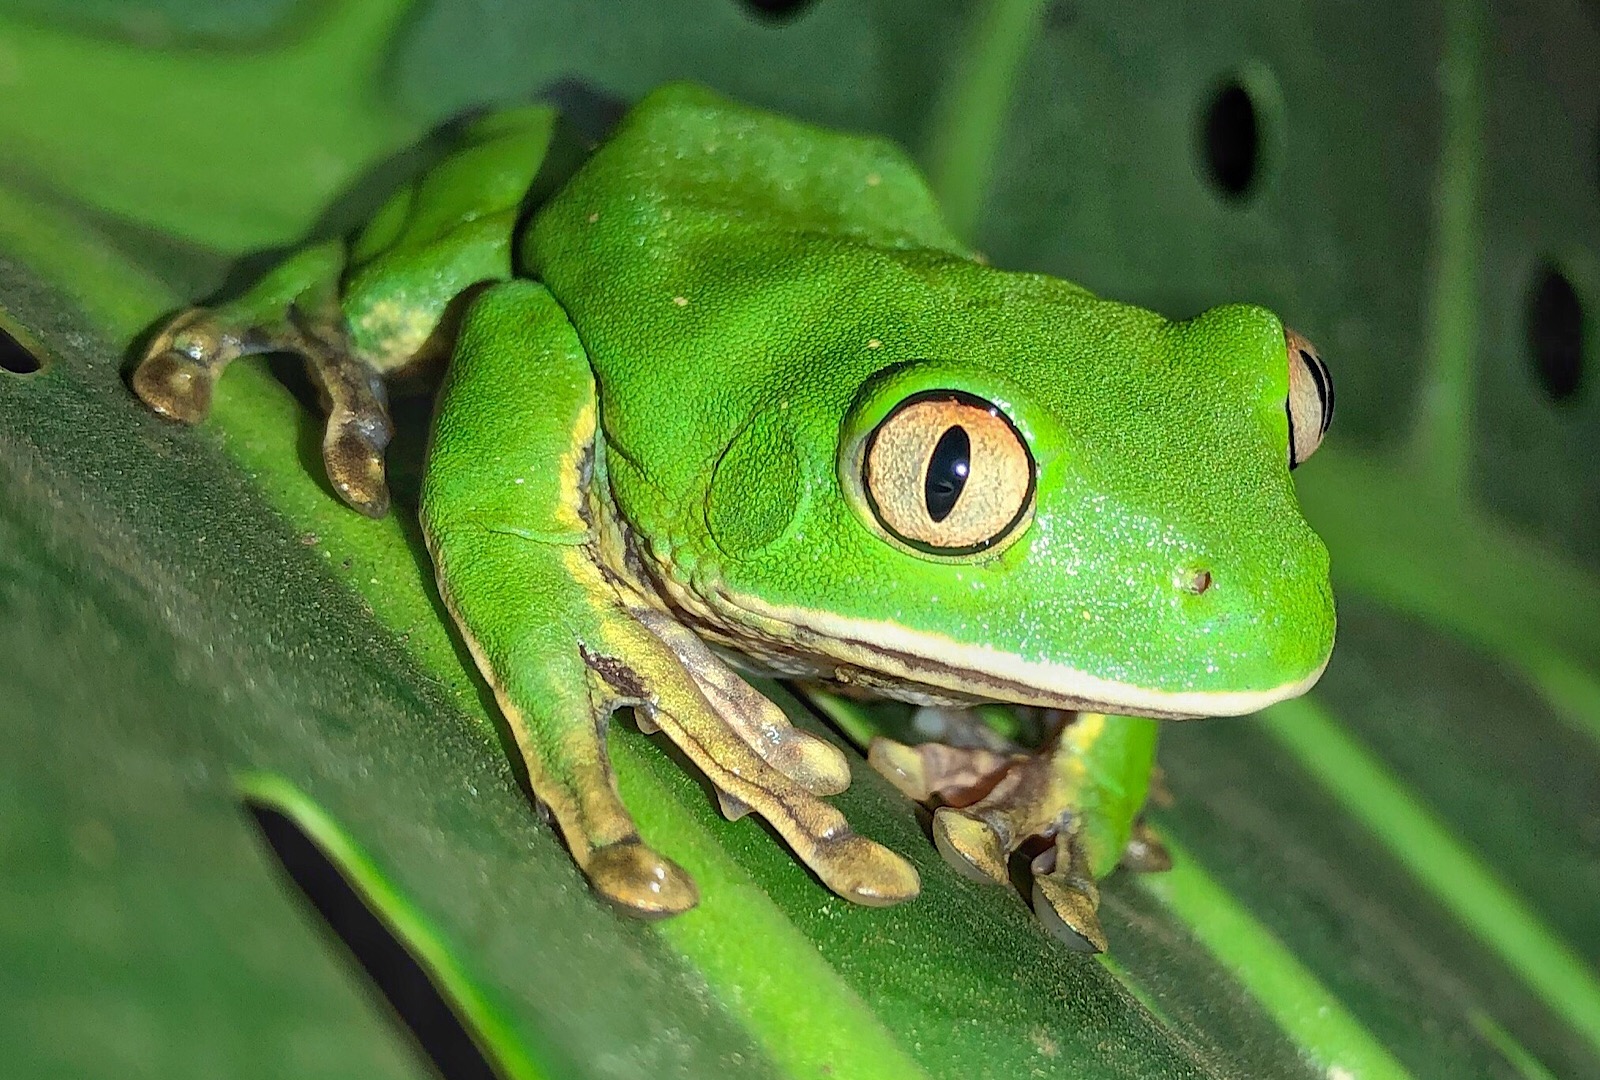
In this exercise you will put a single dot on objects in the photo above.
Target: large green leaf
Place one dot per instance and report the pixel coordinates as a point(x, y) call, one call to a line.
point(1394, 878)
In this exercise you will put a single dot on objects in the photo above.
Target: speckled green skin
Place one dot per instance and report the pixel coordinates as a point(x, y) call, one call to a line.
point(1160, 445)
point(645, 463)
point(753, 296)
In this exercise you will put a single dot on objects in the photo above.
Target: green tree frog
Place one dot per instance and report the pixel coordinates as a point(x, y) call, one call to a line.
point(725, 394)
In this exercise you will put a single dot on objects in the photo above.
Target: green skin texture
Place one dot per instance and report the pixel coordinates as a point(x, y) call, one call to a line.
point(654, 442)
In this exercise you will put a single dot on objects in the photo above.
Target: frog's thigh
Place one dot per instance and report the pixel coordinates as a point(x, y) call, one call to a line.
point(514, 557)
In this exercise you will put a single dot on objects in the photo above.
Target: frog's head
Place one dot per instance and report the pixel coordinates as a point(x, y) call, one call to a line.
point(1053, 499)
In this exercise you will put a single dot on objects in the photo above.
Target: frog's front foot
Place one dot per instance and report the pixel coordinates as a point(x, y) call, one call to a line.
point(637, 879)
point(757, 761)
point(1043, 810)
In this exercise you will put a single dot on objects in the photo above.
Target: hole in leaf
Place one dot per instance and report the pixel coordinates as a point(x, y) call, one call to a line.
point(391, 967)
point(14, 358)
point(777, 10)
point(1556, 333)
point(1231, 141)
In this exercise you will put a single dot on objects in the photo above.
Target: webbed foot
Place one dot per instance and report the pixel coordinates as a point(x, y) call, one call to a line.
point(631, 875)
point(1069, 809)
point(291, 310)
point(181, 365)
point(758, 762)
point(358, 428)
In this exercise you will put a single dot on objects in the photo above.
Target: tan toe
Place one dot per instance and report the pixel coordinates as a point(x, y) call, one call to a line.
point(641, 882)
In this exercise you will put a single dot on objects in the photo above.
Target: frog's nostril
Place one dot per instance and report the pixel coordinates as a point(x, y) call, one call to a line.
point(1192, 580)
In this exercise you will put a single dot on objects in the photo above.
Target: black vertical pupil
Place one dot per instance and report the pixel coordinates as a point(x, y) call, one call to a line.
point(947, 472)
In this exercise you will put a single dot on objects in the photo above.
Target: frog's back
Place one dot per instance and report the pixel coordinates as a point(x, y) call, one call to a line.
point(685, 155)
point(704, 253)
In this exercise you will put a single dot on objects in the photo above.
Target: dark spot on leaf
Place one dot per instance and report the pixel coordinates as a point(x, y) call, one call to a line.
point(585, 105)
point(1061, 15)
point(777, 10)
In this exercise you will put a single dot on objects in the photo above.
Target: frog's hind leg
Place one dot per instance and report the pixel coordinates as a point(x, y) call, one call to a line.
point(293, 309)
point(385, 305)
point(358, 426)
point(183, 361)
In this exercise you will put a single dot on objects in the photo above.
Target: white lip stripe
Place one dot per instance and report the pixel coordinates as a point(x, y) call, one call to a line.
point(1049, 680)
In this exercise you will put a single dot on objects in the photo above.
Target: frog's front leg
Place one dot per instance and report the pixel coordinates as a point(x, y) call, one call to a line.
point(514, 483)
point(1073, 803)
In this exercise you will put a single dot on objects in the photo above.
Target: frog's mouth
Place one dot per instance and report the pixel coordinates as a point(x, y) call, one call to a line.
point(892, 661)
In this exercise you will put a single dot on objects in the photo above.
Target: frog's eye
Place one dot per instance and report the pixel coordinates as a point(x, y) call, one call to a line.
point(947, 473)
point(1310, 404)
